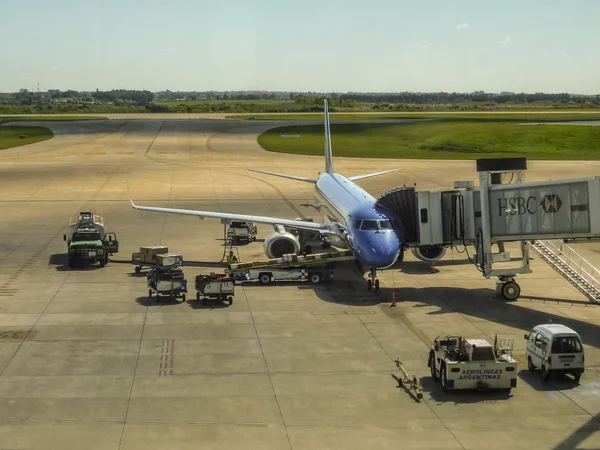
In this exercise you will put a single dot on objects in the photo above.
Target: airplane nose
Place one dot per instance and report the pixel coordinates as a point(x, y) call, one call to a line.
point(379, 251)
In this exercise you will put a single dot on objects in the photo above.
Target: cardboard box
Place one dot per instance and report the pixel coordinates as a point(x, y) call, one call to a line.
point(148, 254)
point(168, 259)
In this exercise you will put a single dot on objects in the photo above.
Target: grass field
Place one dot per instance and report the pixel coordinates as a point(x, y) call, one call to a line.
point(10, 136)
point(441, 140)
point(48, 118)
point(546, 116)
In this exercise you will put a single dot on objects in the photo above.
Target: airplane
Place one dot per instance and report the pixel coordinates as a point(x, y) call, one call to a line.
point(351, 218)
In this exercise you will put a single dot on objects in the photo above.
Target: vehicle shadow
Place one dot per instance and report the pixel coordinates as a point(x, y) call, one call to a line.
point(61, 263)
point(534, 380)
point(210, 304)
point(157, 301)
point(463, 396)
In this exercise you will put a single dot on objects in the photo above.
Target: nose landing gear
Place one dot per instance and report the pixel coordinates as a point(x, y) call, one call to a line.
point(373, 281)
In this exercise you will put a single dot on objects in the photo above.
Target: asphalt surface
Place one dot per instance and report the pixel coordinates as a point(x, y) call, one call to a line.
point(88, 361)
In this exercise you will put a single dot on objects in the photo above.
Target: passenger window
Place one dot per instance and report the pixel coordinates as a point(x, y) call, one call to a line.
point(545, 344)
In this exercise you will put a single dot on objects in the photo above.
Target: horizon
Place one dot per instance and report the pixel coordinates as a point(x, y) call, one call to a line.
point(338, 47)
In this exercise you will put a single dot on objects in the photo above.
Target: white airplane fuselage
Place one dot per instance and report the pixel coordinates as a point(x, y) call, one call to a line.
point(367, 228)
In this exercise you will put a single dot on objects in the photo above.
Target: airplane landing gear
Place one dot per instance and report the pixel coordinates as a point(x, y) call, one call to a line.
point(373, 281)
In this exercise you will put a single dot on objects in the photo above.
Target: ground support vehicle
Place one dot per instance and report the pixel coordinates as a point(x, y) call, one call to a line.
point(241, 231)
point(152, 257)
point(315, 268)
point(214, 286)
point(461, 363)
point(410, 383)
point(87, 242)
point(168, 282)
point(556, 350)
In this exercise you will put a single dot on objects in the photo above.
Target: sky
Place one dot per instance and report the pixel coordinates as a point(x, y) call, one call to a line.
point(308, 45)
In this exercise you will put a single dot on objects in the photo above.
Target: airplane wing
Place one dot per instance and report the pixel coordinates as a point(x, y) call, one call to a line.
point(282, 175)
point(360, 177)
point(299, 224)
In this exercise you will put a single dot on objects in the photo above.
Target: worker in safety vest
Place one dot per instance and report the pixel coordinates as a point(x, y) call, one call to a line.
point(231, 259)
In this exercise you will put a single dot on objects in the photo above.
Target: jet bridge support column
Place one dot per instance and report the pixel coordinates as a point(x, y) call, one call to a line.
point(491, 170)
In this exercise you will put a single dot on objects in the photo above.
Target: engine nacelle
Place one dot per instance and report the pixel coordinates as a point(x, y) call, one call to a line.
point(429, 252)
point(279, 244)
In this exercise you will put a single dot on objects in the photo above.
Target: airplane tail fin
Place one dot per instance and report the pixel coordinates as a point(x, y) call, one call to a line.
point(328, 153)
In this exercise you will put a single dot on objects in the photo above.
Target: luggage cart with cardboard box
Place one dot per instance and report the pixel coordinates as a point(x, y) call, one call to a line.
point(155, 256)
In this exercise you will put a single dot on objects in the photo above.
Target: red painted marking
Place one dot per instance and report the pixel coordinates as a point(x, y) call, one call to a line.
point(171, 355)
point(577, 208)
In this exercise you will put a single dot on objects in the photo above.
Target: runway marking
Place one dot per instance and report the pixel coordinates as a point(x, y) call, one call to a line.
point(167, 358)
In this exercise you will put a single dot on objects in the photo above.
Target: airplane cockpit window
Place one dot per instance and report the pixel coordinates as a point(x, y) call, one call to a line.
point(369, 225)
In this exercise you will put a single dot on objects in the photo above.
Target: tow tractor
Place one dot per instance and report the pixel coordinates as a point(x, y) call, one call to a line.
point(461, 363)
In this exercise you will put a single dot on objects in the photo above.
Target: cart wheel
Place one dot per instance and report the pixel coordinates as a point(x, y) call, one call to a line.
point(264, 278)
point(315, 278)
point(183, 298)
point(197, 295)
point(150, 293)
point(230, 301)
point(138, 269)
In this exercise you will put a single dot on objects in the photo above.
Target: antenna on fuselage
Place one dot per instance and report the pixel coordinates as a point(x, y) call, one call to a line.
point(328, 152)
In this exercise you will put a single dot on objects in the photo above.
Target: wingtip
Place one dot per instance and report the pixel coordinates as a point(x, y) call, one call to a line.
point(129, 194)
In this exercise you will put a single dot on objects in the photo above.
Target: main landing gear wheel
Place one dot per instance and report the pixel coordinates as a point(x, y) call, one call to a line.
point(511, 290)
point(376, 285)
point(369, 285)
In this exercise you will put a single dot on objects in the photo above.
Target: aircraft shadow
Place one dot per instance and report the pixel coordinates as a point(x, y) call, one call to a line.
point(474, 303)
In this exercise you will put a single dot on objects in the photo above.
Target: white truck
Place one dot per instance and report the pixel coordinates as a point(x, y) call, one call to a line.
point(556, 350)
point(314, 274)
point(460, 363)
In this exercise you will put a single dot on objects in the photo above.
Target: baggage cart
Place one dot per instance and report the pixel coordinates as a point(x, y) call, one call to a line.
point(167, 282)
point(215, 286)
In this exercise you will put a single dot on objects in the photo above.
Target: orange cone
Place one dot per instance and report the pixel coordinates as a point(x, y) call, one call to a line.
point(393, 299)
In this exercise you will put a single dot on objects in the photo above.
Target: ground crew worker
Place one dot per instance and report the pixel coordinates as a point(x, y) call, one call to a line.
point(231, 259)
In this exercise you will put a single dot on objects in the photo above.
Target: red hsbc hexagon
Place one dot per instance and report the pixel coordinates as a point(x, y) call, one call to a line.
point(551, 203)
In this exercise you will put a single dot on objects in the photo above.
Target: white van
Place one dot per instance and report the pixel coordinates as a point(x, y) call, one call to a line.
point(554, 349)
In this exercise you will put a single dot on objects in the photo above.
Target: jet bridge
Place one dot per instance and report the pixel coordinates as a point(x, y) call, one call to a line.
point(497, 212)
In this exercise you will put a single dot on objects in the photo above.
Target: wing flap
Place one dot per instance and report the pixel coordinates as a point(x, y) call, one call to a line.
point(368, 175)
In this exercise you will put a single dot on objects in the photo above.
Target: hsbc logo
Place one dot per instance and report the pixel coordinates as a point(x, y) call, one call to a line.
point(518, 206)
point(551, 203)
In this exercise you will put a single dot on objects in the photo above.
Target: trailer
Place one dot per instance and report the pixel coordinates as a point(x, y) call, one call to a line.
point(460, 363)
point(214, 286)
point(314, 274)
point(167, 282)
point(241, 231)
point(316, 268)
point(153, 257)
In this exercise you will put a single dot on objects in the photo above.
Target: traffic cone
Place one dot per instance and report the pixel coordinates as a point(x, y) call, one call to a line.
point(393, 305)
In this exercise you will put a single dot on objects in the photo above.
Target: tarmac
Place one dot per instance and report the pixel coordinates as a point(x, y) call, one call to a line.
point(88, 361)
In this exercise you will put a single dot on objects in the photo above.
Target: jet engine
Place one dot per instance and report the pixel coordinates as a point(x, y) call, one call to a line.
point(429, 253)
point(279, 244)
